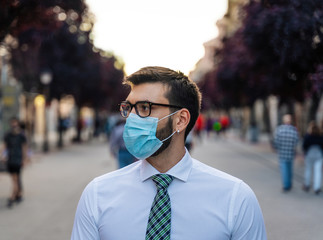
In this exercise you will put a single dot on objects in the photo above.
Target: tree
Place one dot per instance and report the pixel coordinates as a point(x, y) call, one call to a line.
point(18, 15)
point(55, 36)
point(57, 40)
point(274, 52)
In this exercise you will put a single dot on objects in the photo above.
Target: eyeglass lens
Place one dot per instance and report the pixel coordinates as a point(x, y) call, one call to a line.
point(125, 109)
point(142, 109)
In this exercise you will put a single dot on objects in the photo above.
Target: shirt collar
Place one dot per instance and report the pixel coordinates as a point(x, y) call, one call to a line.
point(180, 171)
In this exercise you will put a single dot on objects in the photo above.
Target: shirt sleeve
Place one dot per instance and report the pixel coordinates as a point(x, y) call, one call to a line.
point(85, 222)
point(297, 138)
point(247, 218)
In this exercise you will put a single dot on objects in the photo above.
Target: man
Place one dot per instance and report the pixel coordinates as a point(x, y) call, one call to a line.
point(167, 194)
point(15, 145)
point(285, 142)
point(117, 145)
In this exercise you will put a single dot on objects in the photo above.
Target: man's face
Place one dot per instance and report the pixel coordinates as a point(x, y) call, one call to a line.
point(154, 92)
point(151, 92)
point(14, 124)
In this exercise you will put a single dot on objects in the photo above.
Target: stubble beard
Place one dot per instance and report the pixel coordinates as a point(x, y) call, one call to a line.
point(162, 134)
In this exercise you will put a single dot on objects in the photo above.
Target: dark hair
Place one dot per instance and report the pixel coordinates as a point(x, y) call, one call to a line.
point(14, 119)
point(313, 129)
point(182, 91)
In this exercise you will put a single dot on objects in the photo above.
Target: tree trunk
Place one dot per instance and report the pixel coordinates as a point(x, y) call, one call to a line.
point(79, 127)
point(266, 117)
point(314, 106)
point(254, 130)
point(61, 130)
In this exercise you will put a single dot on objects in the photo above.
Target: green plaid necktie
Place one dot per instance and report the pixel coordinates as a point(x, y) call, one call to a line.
point(160, 214)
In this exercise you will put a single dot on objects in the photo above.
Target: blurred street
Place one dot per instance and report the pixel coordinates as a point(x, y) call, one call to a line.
point(54, 182)
point(62, 71)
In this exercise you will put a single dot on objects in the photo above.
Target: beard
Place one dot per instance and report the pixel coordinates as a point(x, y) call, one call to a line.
point(162, 134)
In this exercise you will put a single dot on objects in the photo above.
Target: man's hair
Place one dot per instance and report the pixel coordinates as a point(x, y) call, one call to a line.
point(14, 119)
point(182, 91)
point(313, 128)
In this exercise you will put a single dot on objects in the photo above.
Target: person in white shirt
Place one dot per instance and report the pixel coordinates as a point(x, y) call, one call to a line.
point(166, 194)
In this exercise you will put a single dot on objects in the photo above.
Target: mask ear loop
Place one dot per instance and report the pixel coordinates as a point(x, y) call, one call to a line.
point(174, 131)
point(168, 115)
point(169, 136)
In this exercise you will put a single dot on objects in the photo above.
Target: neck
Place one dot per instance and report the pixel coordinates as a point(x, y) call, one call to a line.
point(169, 157)
point(15, 131)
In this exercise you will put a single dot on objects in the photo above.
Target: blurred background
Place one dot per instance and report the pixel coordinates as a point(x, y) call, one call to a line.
point(62, 63)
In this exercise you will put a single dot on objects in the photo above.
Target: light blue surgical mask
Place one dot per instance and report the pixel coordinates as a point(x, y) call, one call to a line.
point(139, 135)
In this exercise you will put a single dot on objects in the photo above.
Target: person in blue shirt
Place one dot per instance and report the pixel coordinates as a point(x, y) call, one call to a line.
point(313, 149)
point(166, 194)
point(285, 142)
point(117, 145)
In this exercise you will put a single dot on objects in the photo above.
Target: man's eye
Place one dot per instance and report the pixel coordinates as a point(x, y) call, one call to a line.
point(144, 107)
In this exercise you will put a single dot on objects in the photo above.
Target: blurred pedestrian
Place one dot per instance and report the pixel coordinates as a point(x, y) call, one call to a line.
point(225, 123)
point(117, 145)
point(199, 126)
point(167, 194)
point(313, 147)
point(15, 146)
point(217, 127)
point(209, 125)
point(285, 142)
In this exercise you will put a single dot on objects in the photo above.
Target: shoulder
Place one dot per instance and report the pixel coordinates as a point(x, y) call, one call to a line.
point(118, 176)
point(212, 174)
point(286, 130)
point(291, 128)
point(241, 199)
point(218, 181)
point(7, 135)
point(110, 183)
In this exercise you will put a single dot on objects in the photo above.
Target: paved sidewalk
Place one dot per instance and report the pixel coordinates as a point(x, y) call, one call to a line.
point(54, 182)
point(265, 151)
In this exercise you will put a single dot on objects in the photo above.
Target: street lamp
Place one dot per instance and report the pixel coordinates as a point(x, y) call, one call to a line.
point(45, 79)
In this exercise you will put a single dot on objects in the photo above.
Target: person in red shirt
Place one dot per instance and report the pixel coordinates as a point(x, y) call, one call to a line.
point(199, 125)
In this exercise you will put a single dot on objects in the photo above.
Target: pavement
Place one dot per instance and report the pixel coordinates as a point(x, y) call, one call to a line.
point(53, 184)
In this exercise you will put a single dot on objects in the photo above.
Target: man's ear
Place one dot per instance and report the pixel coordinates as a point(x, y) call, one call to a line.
point(182, 120)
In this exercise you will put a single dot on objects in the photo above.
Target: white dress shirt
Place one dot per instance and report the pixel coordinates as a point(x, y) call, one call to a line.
point(206, 204)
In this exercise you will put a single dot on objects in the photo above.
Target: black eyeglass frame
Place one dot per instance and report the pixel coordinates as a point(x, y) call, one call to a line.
point(150, 104)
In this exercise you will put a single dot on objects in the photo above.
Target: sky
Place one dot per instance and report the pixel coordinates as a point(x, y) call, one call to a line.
point(168, 33)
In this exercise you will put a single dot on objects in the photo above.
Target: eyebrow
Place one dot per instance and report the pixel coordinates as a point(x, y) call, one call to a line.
point(146, 100)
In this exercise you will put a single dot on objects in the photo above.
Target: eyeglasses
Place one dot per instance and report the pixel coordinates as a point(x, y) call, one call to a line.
point(143, 108)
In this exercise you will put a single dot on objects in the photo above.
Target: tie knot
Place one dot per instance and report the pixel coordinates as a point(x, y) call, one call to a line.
point(162, 180)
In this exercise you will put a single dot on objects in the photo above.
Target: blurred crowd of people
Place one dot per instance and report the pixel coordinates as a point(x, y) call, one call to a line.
point(212, 123)
point(16, 152)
